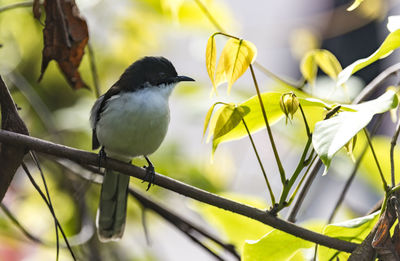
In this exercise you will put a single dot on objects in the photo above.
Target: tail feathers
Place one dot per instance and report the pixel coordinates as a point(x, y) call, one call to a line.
point(111, 214)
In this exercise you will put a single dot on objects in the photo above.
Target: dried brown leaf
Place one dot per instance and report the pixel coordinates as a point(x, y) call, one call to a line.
point(65, 37)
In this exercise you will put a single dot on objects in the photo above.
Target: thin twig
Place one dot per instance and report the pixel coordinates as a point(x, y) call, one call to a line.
point(346, 187)
point(93, 68)
point(87, 158)
point(36, 186)
point(36, 161)
point(271, 193)
point(375, 83)
point(302, 180)
point(16, 5)
point(288, 185)
point(269, 131)
point(147, 202)
point(37, 103)
point(392, 145)
point(362, 96)
point(209, 16)
point(299, 201)
point(354, 171)
point(385, 186)
point(185, 225)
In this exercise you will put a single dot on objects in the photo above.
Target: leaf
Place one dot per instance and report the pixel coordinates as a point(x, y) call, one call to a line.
point(328, 63)
point(391, 43)
point(332, 134)
point(312, 107)
point(323, 59)
point(354, 230)
point(220, 75)
point(235, 228)
point(211, 53)
point(277, 245)
point(355, 4)
point(393, 23)
point(228, 118)
point(237, 55)
point(308, 67)
point(65, 37)
point(208, 116)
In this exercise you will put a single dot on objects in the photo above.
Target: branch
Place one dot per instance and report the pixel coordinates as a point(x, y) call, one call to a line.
point(93, 174)
point(84, 157)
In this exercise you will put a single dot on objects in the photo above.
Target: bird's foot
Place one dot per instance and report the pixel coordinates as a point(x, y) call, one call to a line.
point(150, 174)
point(102, 157)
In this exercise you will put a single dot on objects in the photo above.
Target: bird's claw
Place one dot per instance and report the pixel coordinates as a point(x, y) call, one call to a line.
point(150, 174)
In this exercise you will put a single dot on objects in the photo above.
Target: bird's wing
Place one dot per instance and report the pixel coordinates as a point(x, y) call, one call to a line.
point(97, 109)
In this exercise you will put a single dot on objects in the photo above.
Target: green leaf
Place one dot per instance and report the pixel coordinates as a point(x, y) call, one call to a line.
point(391, 43)
point(235, 228)
point(355, 4)
point(236, 57)
point(332, 134)
point(312, 107)
point(354, 230)
point(211, 54)
point(277, 245)
point(229, 117)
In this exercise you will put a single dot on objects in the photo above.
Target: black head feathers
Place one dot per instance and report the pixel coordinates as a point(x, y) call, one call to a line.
point(148, 70)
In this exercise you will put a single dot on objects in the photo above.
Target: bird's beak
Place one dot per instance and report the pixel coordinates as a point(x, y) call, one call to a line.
point(183, 79)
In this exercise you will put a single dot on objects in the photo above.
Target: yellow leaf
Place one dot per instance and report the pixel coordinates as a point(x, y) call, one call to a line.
point(228, 118)
point(322, 59)
point(211, 54)
point(208, 117)
point(355, 4)
point(220, 75)
point(308, 67)
point(328, 63)
point(236, 57)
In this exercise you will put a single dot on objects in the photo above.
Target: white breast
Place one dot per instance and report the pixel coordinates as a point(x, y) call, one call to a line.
point(134, 123)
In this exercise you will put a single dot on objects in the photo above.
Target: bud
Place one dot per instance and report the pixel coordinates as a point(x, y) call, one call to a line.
point(289, 104)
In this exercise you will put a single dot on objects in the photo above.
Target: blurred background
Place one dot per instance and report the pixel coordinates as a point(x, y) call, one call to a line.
point(125, 30)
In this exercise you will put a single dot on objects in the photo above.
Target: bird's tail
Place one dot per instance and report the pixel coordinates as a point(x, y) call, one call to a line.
point(111, 214)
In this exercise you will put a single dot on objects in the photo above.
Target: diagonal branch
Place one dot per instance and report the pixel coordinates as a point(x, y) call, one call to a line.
point(84, 157)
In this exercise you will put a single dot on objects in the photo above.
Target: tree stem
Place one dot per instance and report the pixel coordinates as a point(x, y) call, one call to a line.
point(271, 138)
point(271, 193)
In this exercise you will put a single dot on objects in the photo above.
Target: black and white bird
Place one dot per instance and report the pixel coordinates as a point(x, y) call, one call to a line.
point(130, 120)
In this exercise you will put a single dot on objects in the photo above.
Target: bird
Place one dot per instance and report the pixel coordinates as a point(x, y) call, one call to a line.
point(130, 120)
